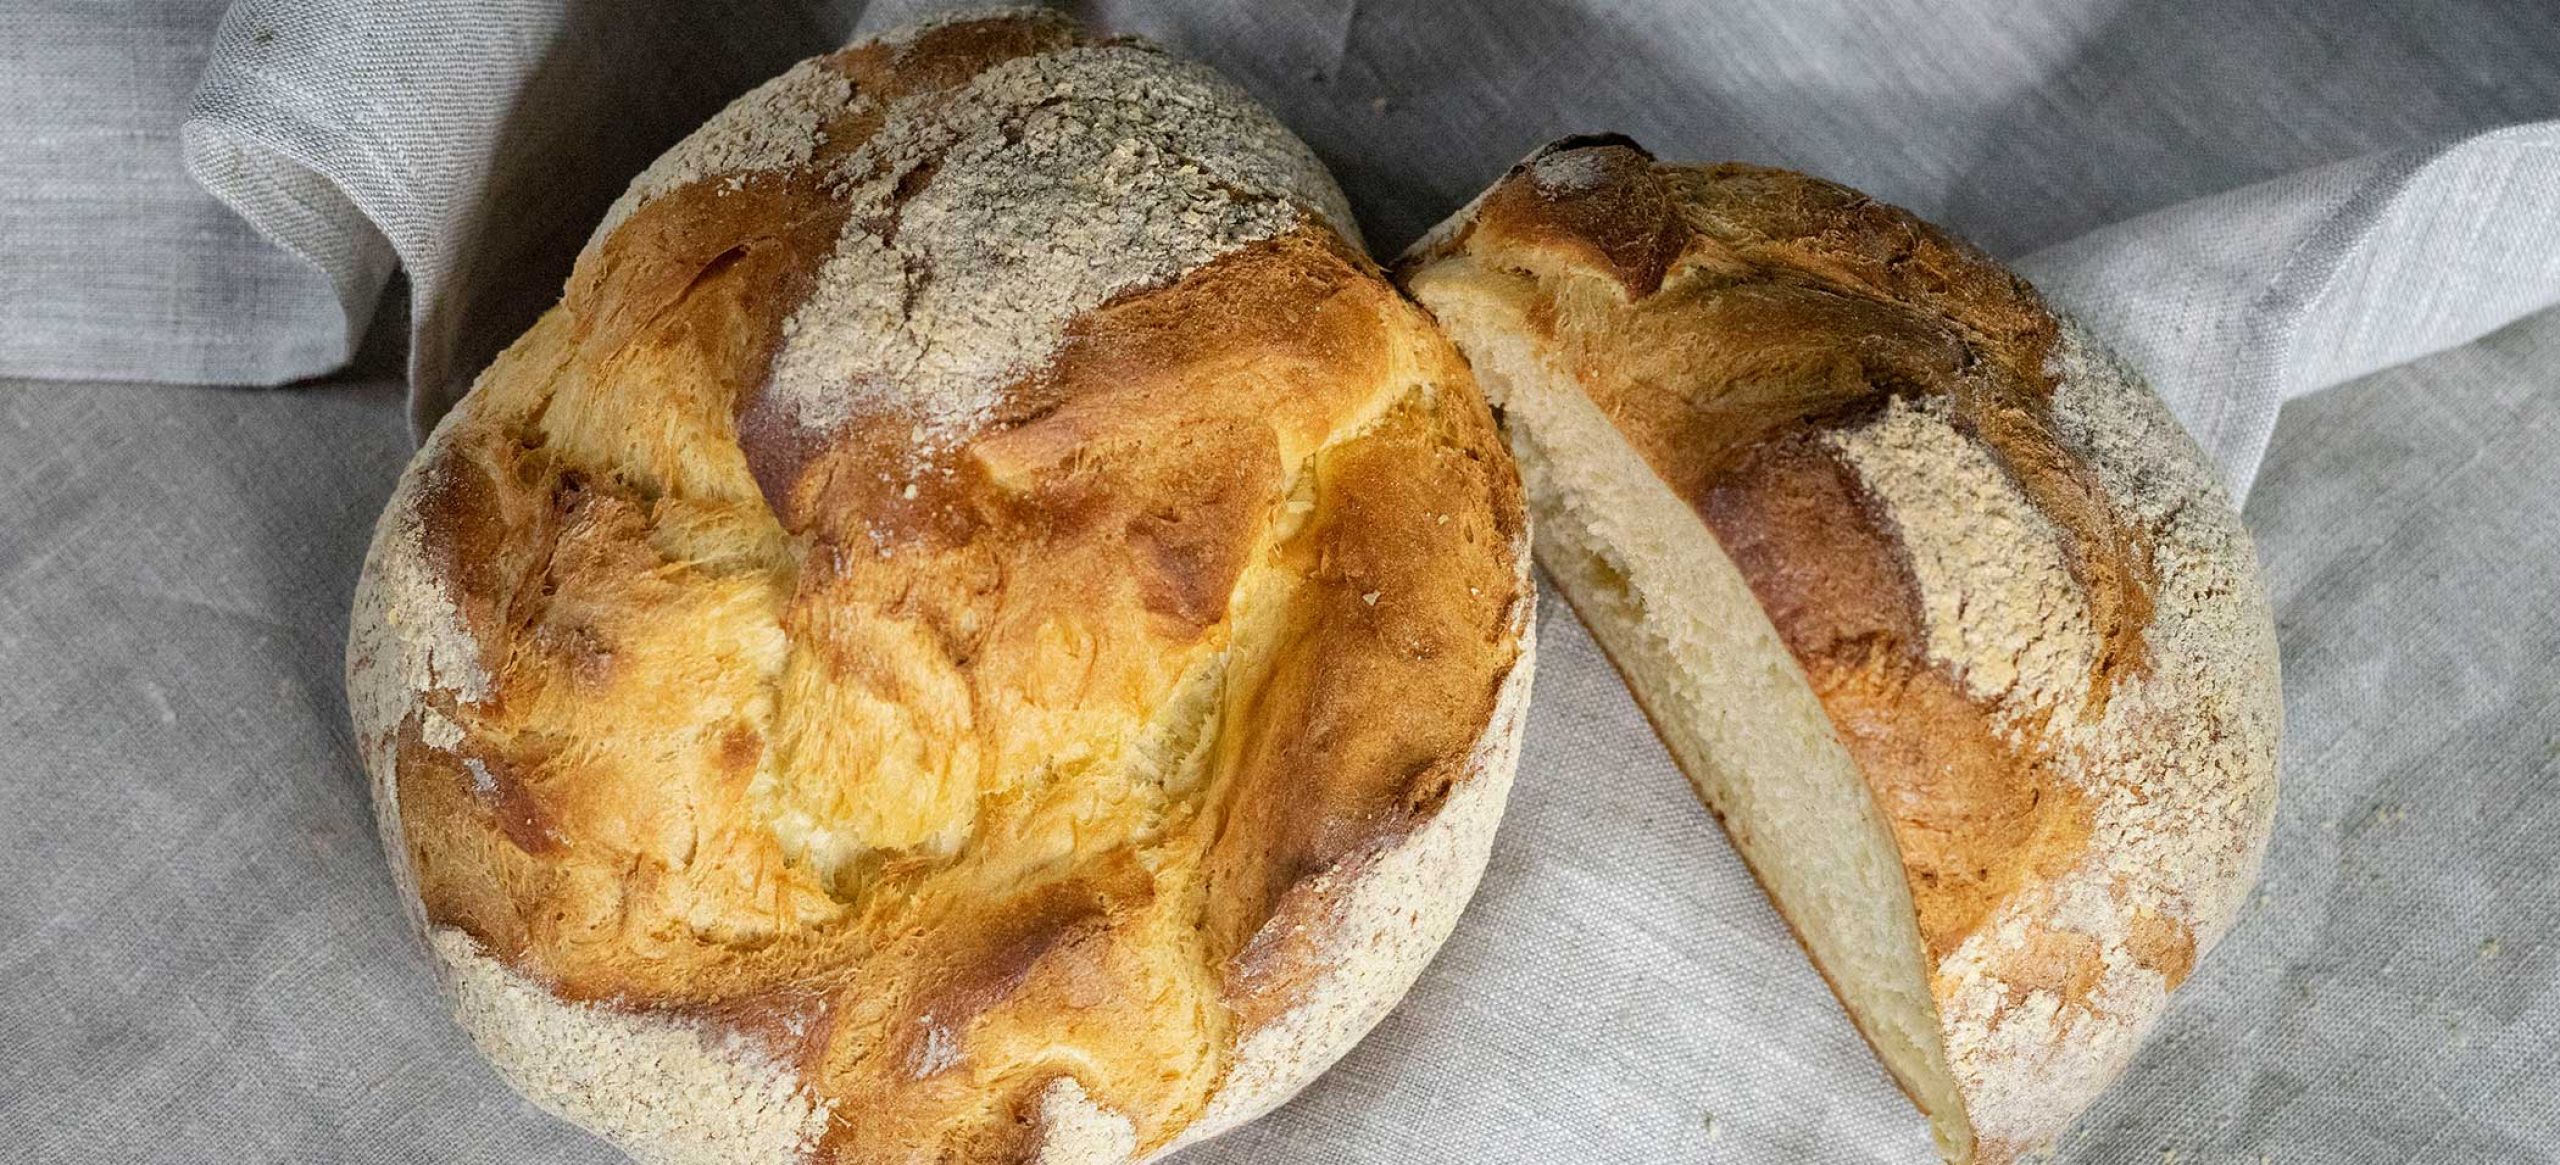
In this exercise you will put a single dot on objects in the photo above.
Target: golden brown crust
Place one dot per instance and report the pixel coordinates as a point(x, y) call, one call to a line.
point(998, 785)
point(1931, 487)
point(1976, 816)
point(1754, 312)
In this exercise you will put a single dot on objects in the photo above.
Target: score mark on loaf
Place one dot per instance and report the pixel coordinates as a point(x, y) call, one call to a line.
point(982, 628)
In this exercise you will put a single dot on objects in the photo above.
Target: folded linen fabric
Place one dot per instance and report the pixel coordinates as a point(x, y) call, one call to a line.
point(2253, 200)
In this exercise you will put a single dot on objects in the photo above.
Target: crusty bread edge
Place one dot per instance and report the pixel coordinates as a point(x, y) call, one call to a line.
point(662, 1090)
point(1388, 914)
point(1949, 1124)
point(403, 638)
point(668, 1091)
point(2150, 468)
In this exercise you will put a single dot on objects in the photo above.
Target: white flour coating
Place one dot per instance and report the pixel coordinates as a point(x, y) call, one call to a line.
point(1568, 171)
point(437, 730)
point(1053, 184)
point(774, 126)
point(2212, 650)
point(484, 784)
point(433, 649)
point(660, 1089)
point(1057, 182)
point(2180, 773)
point(1997, 599)
point(1076, 1131)
point(939, 1051)
point(406, 638)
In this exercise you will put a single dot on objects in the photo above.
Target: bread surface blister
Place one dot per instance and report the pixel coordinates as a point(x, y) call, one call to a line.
point(1950, 623)
point(982, 628)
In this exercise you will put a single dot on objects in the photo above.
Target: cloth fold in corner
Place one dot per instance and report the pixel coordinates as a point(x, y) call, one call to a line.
point(479, 143)
point(2235, 303)
point(2254, 200)
point(474, 143)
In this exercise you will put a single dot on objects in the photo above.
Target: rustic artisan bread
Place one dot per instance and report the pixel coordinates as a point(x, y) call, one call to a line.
point(982, 628)
point(1943, 614)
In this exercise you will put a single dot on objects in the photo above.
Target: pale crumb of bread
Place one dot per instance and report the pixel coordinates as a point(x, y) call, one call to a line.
point(2175, 765)
point(659, 1088)
point(1997, 599)
point(774, 126)
point(1055, 183)
point(1681, 624)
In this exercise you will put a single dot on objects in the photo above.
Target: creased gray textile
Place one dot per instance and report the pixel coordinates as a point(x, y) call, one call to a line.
point(200, 955)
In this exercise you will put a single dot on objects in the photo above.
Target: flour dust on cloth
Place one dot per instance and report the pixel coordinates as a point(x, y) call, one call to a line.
point(2250, 201)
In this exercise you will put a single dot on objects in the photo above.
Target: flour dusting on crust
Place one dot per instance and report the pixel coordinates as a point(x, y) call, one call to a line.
point(1076, 1131)
point(774, 126)
point(1049, 185)
point(423, 645)
point(983, 219)
point(659, 1089)
point(406, 638)
point(2179, 772)
point(1996, 596)
point(1568, 171)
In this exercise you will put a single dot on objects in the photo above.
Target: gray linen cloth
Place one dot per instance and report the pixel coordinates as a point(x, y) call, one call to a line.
point(200, 957)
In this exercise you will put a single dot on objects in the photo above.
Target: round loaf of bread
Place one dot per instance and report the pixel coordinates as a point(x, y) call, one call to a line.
point(982, 628)
point(1947, 619)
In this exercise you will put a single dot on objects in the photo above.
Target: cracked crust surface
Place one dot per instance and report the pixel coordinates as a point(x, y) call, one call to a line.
point(869, 678)
point(2026, 607)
